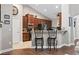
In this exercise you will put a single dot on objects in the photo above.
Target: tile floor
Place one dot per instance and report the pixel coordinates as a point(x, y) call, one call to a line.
point(26, 44)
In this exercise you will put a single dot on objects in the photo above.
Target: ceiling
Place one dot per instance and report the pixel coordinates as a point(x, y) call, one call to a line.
point(48, 10)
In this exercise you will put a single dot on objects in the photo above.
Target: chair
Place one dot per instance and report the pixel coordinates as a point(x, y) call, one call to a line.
point(52, 37)
point(39, 38)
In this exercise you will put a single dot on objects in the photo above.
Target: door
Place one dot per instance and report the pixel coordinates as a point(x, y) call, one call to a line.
point(72, 30)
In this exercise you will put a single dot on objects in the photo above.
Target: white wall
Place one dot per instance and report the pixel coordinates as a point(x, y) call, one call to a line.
point(77, 27)
point(54, 22)
point(6, 30)
point(29, 10)
point(17, 24)
point(65, 23)
point(69, 35)
point(65, 15)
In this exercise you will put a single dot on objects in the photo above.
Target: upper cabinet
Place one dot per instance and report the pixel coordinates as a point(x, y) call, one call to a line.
point(31, 21)
point(25, 22)
point(59, 20)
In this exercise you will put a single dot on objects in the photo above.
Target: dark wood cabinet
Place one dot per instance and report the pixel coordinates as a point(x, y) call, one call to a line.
point(49, 23)
point(25, 22)
point(25, 36)
point(32, 21)
point(29, 22)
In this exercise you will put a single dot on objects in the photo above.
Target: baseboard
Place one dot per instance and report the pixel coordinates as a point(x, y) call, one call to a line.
point(6, 50)
point(72, 44)
point(57, 46)
point(47, 46)
point(17, 42)
point(0, 52)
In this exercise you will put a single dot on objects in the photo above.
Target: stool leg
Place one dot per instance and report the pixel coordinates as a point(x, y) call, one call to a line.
point(42, 44)
point(36, 45)
point(54, 44)
point(42, 47)
point(50, 44)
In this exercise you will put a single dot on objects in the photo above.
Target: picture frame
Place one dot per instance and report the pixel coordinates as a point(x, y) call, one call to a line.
point(6, 21)
point(15, 10)
point(6, 16)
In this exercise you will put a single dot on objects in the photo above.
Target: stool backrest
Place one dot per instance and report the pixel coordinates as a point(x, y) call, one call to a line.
point(38, 33)
point(52, 32)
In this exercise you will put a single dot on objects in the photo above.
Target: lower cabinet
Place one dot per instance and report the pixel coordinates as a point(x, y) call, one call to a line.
point(26, 36)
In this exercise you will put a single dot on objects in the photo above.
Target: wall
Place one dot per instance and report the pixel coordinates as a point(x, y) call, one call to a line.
point(17, 24)
point(6, 30)
point(65, 25)
point(54, 22)
point(77, 27)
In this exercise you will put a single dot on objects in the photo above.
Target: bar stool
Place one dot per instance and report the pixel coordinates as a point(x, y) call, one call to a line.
point(39, 38)
point(52, 38)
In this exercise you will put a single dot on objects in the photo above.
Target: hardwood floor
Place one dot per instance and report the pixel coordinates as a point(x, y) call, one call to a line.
point(60, 51)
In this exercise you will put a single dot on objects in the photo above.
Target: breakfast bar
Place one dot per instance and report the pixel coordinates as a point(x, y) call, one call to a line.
point(60, 38)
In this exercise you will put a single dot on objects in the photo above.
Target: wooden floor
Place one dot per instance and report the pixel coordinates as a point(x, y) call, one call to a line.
point(60, 51)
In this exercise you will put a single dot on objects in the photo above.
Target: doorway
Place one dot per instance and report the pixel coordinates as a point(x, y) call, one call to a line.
point(17, 24)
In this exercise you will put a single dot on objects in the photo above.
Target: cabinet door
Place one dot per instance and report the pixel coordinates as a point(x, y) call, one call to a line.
point(35, 22)
point(25, 22)
point(49, 23)
point(26, 37)
point(30, 19)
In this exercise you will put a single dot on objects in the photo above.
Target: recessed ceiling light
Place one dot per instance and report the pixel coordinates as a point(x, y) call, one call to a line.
point(56, 6)
point(45, 10)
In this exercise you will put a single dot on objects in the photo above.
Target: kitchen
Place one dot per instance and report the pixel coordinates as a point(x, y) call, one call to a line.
point(31, 21)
